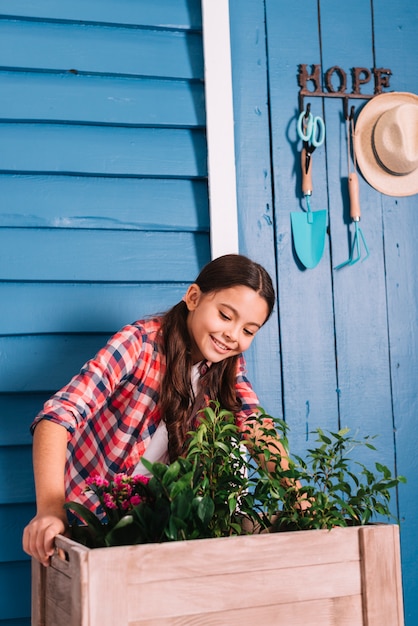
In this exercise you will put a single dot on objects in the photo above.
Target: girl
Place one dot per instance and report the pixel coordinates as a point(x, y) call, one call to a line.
point(140, 394)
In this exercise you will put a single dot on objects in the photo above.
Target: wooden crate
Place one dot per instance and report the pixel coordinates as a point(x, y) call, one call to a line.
point(343, 577)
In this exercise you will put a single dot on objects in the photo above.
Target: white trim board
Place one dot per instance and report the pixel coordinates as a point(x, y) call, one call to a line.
point(220, 127)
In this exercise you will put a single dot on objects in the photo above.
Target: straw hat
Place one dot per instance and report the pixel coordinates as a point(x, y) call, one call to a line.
point(386, 143)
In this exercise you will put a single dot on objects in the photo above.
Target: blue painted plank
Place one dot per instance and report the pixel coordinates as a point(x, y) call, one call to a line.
point(42, 364)
point(102, 150)
point(62, 255)
point(17, 484)
point(401, 233)
point(359, 290)
point(104, 203)
point(181, 14)
point(252, 149)
point(101, 100)
point(81, 307)
point(13, 578)
point(396, 33)
point(96, 49)
point(305, 296)
point(13, 519)
point(16, 414)
point(396, 37)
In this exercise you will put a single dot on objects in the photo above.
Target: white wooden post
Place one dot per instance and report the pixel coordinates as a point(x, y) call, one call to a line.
point(220, 127)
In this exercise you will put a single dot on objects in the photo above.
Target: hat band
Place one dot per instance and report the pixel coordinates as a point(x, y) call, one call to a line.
point(390, 146)
point(384, 167)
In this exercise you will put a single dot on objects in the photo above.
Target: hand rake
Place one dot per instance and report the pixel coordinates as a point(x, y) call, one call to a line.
point(355, 212)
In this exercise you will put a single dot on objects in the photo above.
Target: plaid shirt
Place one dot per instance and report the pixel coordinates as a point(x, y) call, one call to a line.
point(110, 408)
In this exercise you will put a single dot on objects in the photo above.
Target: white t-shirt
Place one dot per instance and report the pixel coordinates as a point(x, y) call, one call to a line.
point(157, 451)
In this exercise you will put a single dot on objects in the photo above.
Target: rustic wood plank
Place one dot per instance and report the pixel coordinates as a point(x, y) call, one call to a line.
point(13, 605)
point(380, 552)
point(94, 49)
point(70, 569)
point(108, 575)
point(100, 150)
point(13, 519)
point(308, 550)
point(107, 256)
point(38, 594)
point(395, 41)
point(345, 611)
point(224, 592)
point(17, 485)
point(15, 417)
point(361, 323)
point(104, 203)
point(306, 312)
point(101, 100)
point(184, 14)
point(254, 194)
point(401, 235)
point(80, 307)
point(50, 362)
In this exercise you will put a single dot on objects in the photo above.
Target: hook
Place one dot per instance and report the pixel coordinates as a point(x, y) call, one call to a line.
point(302, 107)
point(348, 116)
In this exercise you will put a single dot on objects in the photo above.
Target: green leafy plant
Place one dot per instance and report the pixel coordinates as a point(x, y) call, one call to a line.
point(217, 490)
point(340, 490)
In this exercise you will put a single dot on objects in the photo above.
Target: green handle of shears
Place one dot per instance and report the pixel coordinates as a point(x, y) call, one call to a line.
point(305, 123)
point(318, 132)
point(311, 129)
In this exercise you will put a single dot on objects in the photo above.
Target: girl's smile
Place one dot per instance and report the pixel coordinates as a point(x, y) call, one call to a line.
point(223, 323)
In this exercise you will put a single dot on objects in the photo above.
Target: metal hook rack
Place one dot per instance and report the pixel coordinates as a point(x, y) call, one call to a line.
point(360, 75)
point(345, 97)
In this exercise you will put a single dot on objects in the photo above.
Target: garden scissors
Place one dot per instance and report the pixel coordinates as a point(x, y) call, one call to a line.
point(312, 132)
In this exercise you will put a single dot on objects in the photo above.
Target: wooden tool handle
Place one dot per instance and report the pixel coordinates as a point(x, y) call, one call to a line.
point(353, 191)
point(306, 175)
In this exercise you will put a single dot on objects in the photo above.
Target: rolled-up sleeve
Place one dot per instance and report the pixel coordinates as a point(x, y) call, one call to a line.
point(245, 393)
point(89, 390)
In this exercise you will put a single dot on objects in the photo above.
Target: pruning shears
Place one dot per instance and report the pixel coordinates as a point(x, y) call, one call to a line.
point(312, 132)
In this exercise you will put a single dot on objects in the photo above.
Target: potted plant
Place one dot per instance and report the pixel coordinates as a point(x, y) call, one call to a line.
point(216, 494)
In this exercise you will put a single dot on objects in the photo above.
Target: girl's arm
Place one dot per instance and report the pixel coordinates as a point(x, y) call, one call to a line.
point(49, 454)
point(254, 431)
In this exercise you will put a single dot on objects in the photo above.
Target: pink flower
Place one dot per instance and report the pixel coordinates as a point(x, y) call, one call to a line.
point(97, 481)
point(109, 501)
point(138, 478)
point(121, 480)
point(135, 500)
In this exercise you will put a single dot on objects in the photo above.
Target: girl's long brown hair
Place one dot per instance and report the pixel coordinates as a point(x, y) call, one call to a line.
point(178, 403)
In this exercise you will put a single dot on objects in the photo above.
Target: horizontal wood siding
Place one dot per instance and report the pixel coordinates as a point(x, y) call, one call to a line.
point(104, 213)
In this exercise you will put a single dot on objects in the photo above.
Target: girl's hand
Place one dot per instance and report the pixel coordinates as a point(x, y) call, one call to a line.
point(39, 536)
point(49, 450)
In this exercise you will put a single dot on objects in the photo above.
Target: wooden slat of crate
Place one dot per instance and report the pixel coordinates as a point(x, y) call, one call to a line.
point(381, 572)
point(250, 589)
point(308, 550)
point(341, 611)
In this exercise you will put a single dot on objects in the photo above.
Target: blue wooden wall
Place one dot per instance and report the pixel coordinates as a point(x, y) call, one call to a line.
point(104, 218)
point(103, 205)
point(346, 353)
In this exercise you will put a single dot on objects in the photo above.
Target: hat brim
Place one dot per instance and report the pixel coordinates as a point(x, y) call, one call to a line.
point(373, 172)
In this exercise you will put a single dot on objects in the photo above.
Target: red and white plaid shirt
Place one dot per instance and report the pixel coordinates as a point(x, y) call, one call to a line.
point(110, 408)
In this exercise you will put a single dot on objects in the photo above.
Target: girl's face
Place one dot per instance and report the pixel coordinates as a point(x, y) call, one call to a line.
point(223, 323)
